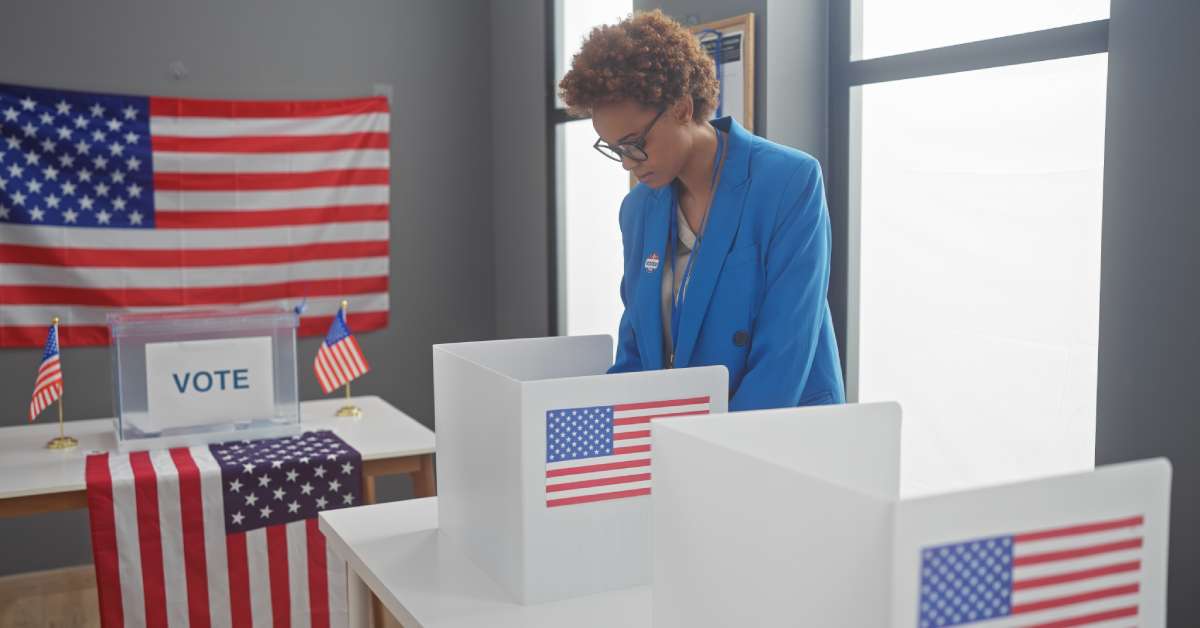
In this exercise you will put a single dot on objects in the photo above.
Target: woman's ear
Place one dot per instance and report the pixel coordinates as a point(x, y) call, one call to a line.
point(681, 111)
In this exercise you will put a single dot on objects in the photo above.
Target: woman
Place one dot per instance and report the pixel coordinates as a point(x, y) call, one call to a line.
point(726, 234)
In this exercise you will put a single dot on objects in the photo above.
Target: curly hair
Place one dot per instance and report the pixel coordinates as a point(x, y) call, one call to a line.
point(648, 58)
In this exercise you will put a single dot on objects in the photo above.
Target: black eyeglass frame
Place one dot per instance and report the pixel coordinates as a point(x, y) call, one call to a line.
point(626, 148)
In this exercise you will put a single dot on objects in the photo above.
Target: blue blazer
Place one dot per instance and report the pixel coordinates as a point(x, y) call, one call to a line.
point(757, 299)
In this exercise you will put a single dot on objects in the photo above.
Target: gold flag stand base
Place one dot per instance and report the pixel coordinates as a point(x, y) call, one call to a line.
point(62, 442)
point(349, 410)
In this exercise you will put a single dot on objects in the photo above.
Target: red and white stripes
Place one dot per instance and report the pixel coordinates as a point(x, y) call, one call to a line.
point(48, 388)
point(49, 383)
point(1082, 575)
point(339, 363)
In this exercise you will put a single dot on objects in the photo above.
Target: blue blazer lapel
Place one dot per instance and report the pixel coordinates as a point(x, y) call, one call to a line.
point(648, 311)
point(725, 215)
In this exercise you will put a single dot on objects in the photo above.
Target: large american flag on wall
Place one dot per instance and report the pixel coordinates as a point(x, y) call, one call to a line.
point(221, 535)
point(112, 202)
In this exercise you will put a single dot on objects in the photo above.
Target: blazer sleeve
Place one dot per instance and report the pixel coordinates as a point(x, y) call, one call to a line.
point(628, 359)
point(793, 308)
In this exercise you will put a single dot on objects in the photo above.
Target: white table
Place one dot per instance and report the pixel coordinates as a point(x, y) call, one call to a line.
point(34, 479)
point(395, 551)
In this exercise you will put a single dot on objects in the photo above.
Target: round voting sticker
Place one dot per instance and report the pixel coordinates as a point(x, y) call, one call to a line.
point(652, 263)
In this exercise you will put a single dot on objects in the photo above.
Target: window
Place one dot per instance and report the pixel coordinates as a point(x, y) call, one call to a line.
point(974, 203)
point(589, 190)
point(890, 27)
point(590, 257)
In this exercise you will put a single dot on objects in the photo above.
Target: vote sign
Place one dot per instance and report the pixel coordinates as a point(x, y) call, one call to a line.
point(200, 382)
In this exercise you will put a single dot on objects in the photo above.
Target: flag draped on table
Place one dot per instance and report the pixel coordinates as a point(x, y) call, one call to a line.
point(1087, 574)
point(112, 202)
point(600, 453)
point(221, 535)
point(48, 385)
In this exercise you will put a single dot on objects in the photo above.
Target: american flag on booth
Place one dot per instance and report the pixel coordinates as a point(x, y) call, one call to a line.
point(1087, 574)
point(112, 202)
point(339, 359)
point(221, 535)
point(48, 386)
point(600, 453)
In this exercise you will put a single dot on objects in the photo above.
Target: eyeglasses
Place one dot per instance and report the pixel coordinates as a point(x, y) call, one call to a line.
point(634, 149)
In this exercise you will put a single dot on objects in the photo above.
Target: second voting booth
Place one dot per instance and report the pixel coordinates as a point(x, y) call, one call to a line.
point(792, 518)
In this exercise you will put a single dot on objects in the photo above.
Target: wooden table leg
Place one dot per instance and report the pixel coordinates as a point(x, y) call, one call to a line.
point(421, 472)
point(358, 601)
point(380, 615)
point(373, 469)
point(374, 607)
point(423, 479)
point(368, 489)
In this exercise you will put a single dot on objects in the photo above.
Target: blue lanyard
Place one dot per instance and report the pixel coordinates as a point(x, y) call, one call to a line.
point(673, 240)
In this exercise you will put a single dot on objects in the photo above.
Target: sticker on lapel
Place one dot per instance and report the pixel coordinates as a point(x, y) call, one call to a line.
point(652, 262)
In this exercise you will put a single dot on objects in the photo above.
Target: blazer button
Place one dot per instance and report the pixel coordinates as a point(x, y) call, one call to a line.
point(741, 339)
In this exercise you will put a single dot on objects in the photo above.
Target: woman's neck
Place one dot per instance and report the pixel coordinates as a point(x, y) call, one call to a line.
point(696, 177)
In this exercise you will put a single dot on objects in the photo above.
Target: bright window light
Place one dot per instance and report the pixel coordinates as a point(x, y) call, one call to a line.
point(979, 274)
point(893, 27)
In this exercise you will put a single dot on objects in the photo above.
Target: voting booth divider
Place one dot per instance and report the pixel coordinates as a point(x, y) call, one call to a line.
point(543, 466)
point(792, 518)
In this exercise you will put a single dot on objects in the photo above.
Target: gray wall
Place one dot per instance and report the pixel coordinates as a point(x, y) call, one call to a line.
point(519, 161)
point(1149, 370)
point(798, 76)
point(435, 55)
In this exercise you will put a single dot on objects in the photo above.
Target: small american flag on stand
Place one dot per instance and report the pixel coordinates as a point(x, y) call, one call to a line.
point(115, 202)
point(49, 384)
point(603, 452)
point(339, 360)
point(1089, 574)
point(221, 535)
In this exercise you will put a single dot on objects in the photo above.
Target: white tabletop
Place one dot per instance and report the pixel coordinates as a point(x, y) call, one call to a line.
point(28, 468)
point(427, 582)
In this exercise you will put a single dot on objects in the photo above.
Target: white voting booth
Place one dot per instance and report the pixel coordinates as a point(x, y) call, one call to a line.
point(792, 518)
point(544, 460)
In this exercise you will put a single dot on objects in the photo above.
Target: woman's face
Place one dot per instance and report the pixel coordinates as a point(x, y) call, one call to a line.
point(666, 145)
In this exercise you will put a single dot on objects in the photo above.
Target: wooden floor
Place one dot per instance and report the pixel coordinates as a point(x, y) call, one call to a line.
point(59, 598)
point(66, 598)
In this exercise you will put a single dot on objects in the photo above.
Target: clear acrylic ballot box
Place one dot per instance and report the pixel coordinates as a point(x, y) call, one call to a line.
point(189, 377)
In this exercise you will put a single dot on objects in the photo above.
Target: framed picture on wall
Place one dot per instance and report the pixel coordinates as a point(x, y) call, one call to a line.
point(730, 43)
